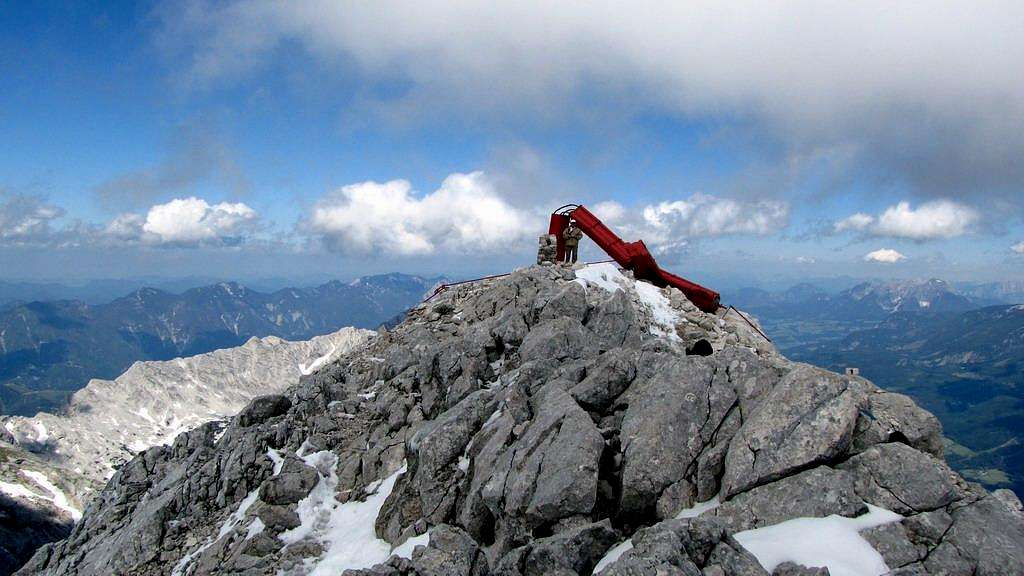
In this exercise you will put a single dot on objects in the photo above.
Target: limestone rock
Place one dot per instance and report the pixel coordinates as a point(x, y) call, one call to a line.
point(807, 419)
point(525, 425)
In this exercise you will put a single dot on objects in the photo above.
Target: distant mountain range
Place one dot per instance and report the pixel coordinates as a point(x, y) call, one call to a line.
point(101, 291)
point(864, 301)
point(49, 349)
point(1005, 292)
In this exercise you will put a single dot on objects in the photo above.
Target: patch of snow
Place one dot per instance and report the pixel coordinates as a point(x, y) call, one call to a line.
point(464, 463)
point(59, 499)
point(608, 277)
point(604, 275)
point(663, 317)
point(303, 448)
point(833, 542)
point(613, 554)
point(42, 435)
point(278, 460)
point(144, 414)
point(236, 517)
point(346, 530)
point(318, 363)
point(255, 527)
point(493, 418)
point(18, 491)
point(404, 550)
point(699, 508)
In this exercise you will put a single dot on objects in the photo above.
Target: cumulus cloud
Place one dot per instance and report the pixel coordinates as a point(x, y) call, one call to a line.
point(856, 222)
point(464, 215)
point(919, 88)
point(669, 224)
point(26, 219)
point(1018, 248)
point(928, 221)
point(186, 222)
point(885, 256)
point(938, 219)
point(703, 215)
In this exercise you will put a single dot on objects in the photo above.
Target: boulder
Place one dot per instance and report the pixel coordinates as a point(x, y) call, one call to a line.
point(295, 481)
point(896, 477)
point(262, 408)
point(807, 419)
point(814, 493)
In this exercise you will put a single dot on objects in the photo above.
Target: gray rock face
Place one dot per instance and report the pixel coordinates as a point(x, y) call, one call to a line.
point(814, 493)
point(807, 419)
point(263, 407)
point(901, 479)
point(531, 425)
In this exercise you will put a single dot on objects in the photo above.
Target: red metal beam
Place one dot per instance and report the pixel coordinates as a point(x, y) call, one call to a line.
point(630, 255)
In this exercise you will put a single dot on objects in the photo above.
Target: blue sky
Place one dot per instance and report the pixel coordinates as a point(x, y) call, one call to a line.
point(251, 138)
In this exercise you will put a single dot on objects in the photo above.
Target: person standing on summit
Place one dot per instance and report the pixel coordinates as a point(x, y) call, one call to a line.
point(572, 235)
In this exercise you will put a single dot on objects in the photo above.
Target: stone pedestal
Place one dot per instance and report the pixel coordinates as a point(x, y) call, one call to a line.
point(547, 252)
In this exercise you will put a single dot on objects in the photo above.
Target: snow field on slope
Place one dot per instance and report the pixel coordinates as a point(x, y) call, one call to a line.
point(834, 542)
point(57, 496)
point(346, 530)
point(59, 499)
point(318, 363)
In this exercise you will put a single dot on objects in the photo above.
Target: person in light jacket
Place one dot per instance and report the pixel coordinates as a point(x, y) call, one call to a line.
point(572, 235)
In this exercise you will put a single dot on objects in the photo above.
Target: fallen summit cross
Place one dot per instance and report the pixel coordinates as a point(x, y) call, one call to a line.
point(632, 256)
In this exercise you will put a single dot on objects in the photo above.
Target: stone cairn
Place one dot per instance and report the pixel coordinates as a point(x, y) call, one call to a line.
point(547, 253)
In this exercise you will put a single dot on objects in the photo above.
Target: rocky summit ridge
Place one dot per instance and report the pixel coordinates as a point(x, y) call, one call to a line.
point(554, 421)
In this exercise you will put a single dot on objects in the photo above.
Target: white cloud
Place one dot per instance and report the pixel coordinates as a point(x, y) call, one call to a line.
point(26, 219)
point(464, 215)
point(1018, 248)
point(186, 222)
point(856, 222)
point(703, 215)
point(929, 221)
point(885, 256)
point(937, 219)
point(126, 227)
point(609, 211)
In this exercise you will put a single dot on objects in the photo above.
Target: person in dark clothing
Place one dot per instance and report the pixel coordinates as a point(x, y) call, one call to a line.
point(572, 235)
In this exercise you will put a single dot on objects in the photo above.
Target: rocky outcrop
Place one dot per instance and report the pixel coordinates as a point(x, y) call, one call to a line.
point(552, 422)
